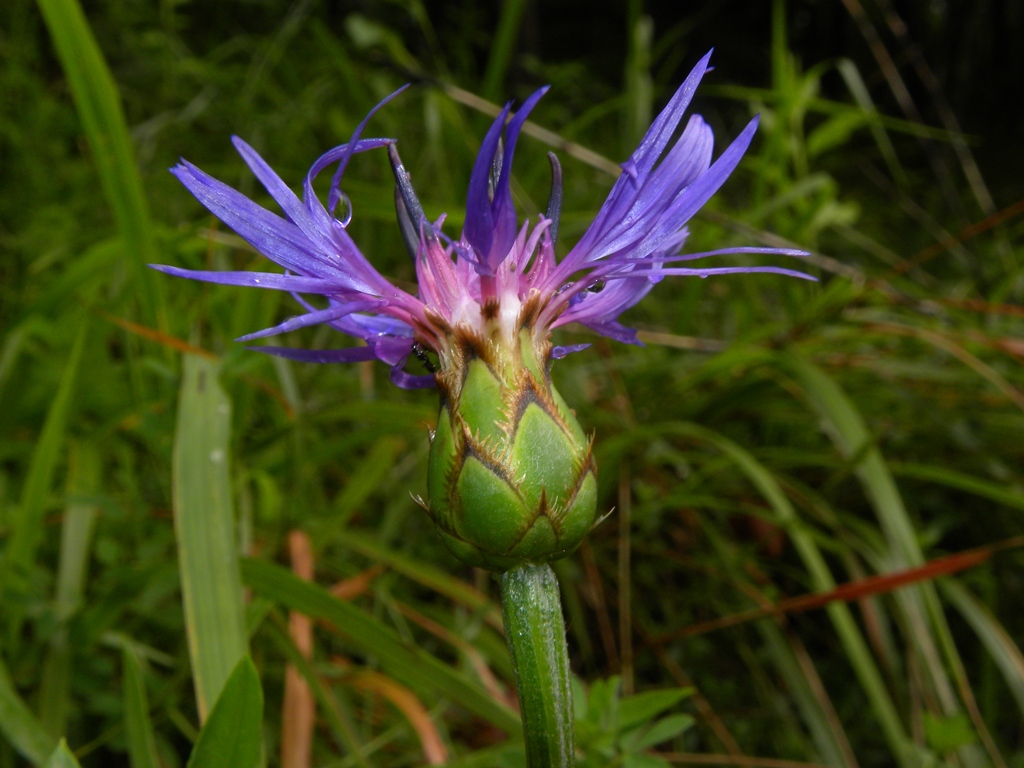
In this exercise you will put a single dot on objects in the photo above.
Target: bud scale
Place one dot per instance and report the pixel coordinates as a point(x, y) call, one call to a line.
point(511, 475)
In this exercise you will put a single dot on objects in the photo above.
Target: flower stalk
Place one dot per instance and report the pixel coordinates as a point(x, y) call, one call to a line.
point(535, 634)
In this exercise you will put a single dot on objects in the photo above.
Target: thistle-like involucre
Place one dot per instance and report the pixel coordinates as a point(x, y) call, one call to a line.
point(511, 473)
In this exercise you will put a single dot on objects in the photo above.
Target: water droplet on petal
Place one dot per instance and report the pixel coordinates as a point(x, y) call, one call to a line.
point(343, 211)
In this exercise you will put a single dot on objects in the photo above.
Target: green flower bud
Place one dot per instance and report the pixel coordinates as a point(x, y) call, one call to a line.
point(511, 475)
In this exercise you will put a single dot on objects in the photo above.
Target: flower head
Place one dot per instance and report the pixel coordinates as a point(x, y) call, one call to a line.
point(499, 274)
point(511, 473)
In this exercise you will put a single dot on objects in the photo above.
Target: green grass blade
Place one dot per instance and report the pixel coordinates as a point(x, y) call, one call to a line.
point(10, 351)
point(366, 478)
point(928, 627)
point(831, 745)
point(62, 757)
point(862, 95)
point(639, 104)
point(423, 573)
point(20, 727)
point(76, 531)
point(847, 429)
point(55, 686)
point(99, 107)
point(75, 545)
point(406, 663)
point(337, 715)
point(26, 522)
point(850, 636)
point(962, 482)
point(232, 735)
point(489, 757)
point(139, 726)
point(1001, 647)
point(205, 529)
point(505, 38)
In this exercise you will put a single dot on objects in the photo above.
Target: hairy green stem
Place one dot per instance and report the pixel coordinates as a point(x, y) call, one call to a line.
point(535, 633)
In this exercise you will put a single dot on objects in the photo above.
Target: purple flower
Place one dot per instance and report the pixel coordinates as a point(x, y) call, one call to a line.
point(501, 276)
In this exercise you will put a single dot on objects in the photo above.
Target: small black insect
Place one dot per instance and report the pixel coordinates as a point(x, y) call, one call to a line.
point(421, 353)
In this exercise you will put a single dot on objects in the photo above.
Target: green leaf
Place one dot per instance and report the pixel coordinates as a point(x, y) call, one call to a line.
point(366, 478)
point(99, 107)
point(26, 522)
point(602, 702)
point(951, 478)
point(139, 726)
point(862, 95)
point(406, 663)
point(920, 604)
point(997, 641)
point(232, 736)
point(333, 706)
point(205, 528)
point(663, 730)
point(427, 574)
point(510, 754)
point(644, 761)
point(644, 707)
point(834, 132)
point(502, 48)
point(75, 546)
point(842, 618)
point(25, 733)
point(62, 757)
point(846, 427)
point(947, 734)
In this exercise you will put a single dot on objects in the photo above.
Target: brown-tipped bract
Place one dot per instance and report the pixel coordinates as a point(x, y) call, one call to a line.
point(511, 476)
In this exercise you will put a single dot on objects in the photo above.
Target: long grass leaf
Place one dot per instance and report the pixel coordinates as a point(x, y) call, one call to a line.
point(231, 737)
point(138, 724)
point(962, 482)
point(850, 591)
point(62, 757)
point(205, 528)
point(334, 711)
point(10, 351)
point(99, 107)
point(920, 603)
point(75, 544)
point(428, 575)
point(862, 95)
point(366, 477)
point(406, 663)
point(26, 522)
point(19, 726)
point(847, 429)
point(1000, 646)
point(828, 739)
point(639, 86)
point(504, 45)
point(435, 752)
point(77, 528)
point(850, 635)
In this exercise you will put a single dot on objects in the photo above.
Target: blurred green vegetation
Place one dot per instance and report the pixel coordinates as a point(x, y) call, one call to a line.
point(773, 439)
